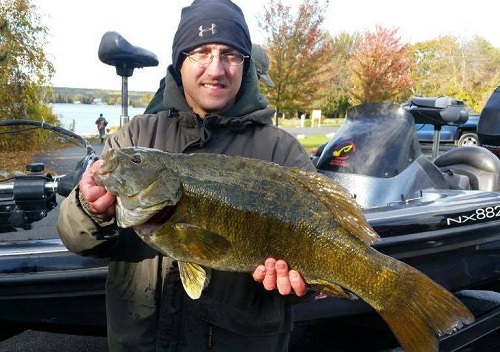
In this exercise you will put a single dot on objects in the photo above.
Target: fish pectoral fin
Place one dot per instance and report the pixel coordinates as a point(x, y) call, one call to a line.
point(199, 243)
point(194, 278)
point(331, 289)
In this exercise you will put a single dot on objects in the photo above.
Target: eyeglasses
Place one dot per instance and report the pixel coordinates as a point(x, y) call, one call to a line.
point(204, 58)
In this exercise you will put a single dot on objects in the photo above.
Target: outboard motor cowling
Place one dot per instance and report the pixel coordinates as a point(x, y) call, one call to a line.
point(488, 128)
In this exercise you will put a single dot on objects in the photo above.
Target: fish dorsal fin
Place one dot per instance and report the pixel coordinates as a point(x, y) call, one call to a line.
point(194, 278)
point(339, 201)
point(200, 243)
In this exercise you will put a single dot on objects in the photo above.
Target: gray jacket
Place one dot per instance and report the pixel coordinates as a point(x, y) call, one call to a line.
point(147, 308)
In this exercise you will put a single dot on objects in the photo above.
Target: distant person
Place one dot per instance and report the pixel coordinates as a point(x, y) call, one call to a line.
point(101, 126)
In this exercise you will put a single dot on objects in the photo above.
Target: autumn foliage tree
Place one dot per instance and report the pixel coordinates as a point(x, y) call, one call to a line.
point(299, 52)
point(380, 67)
point(467, 70)
point(25, 70)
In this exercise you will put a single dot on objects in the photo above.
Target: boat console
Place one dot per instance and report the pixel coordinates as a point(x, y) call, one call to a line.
point(376, 154)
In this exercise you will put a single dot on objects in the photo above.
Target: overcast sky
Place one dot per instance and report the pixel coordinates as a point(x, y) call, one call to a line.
point(76, 28)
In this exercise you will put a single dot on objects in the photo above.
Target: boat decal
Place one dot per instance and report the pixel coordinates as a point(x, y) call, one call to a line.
point(341, 152)
point(478, 215)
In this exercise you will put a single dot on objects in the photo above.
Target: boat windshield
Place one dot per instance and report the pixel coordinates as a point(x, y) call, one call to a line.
point(376, 139)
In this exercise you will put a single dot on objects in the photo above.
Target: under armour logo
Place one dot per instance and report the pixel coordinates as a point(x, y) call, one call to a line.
point(203, 30)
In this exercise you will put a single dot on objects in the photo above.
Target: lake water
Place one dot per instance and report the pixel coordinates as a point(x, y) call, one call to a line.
point(85, 115)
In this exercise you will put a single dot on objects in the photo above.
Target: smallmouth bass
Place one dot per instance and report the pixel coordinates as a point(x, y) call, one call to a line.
point(211, 211)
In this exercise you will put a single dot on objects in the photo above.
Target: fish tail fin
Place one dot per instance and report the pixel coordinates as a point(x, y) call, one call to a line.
point(430, 311)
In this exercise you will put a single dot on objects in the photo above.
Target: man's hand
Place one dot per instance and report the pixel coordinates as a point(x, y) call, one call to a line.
point(99, 200)
point(275, 274)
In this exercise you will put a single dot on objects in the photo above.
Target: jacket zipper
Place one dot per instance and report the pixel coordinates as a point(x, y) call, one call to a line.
point(210, 336)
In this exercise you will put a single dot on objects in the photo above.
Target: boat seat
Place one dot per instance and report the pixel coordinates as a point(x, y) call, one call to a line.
point(116, 51)
point(480, 165)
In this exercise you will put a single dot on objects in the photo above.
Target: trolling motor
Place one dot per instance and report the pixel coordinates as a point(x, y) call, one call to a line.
point(27, 198)
point(438, 112)
point(116, 51)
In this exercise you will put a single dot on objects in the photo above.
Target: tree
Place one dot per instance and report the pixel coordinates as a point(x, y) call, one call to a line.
point(3, 42)
point(464, 69)
point(299, 50)
point(24, 70)
point(336, 100)
point(488, 59)
point(380, 67)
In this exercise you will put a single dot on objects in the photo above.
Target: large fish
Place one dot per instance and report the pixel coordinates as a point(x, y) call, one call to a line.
point(212, 211)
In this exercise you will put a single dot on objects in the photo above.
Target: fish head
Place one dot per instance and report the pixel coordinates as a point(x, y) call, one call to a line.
point(144, 181)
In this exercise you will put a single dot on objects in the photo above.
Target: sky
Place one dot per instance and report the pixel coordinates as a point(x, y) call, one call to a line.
point(76, 28)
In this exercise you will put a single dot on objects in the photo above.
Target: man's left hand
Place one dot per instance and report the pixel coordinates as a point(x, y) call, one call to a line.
point(274, 274)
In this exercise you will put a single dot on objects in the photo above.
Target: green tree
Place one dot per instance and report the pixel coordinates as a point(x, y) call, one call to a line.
point(488, 58)
point(380, 67)
point(467, 70)
point(3, 43)
point(336, 99)
point(299, 50)
point(24, 71)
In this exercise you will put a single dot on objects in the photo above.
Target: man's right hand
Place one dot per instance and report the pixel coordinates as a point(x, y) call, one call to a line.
point(99, 200)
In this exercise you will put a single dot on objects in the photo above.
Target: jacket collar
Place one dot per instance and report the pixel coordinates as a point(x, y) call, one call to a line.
point(189, 119)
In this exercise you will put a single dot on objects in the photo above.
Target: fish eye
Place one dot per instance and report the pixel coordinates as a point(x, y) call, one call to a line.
point(136, 159)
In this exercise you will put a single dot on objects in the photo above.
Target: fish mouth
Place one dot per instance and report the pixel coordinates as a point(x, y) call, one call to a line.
point(110, 162)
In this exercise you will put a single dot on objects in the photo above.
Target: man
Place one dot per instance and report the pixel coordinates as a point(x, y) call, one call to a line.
point(101, 127)
point(212, 105)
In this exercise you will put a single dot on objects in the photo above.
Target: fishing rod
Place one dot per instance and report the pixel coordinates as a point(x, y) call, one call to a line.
point(27, 198)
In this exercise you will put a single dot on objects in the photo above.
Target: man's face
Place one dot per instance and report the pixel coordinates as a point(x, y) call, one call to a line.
point(211, 88)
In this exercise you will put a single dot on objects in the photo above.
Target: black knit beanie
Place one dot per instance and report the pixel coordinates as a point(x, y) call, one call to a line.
point(207, 22)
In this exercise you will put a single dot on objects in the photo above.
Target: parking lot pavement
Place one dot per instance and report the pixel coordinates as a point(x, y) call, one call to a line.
point(38, 341)
point(320, 337)
point(63, 161)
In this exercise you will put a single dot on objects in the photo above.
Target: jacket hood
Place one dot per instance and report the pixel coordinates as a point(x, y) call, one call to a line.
point(248, 100)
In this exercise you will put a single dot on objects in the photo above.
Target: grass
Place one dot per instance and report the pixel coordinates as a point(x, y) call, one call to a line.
point(313, 141)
